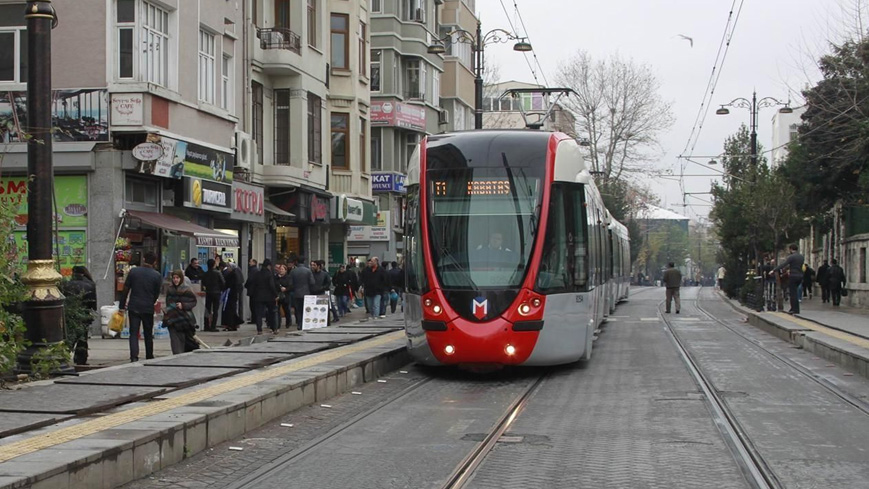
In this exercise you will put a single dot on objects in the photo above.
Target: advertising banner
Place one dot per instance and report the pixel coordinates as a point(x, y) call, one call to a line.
point(128, 109)
point(181, 158)
point(204, 194)
point(70, 191)
point(397, 114)
point(316, 312)
point(248, 202)
point(71, 244)
point(76, 115)
point(387, 182)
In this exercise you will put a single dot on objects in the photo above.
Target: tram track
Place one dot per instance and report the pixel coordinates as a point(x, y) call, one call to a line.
point(755, 469)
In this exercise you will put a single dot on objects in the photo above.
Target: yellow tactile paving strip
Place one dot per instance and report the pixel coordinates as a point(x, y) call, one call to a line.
point(63, 435)
point(835, 333)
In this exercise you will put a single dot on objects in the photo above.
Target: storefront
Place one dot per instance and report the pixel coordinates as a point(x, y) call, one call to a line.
point(389, 188)
point(305, 231)
point(71, 237)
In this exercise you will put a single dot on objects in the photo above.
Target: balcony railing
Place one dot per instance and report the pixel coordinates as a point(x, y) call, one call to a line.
point(414, 94)
point(279, 38)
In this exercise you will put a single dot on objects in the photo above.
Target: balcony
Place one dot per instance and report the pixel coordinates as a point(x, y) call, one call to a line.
point(279, 38)
point(414, 94)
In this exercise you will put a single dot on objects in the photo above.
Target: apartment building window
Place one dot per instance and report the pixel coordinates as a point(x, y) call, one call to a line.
point(376, 6)
point(340, 141)
point(340, 24)
point(793, 132)
point(362, 49)
point(436, 88)
point(375, 70)
point(282, 13)
point(461, 50)
point(206, 67)
point(414, 79)
point(376, 149)
point(315, 129)
point(147, 27)
point(226, 82)
point(362, 138)
point(411, 140)
point(257, 110)
point(154, 62)
point(13, 44)
point(413, 10)
point(312, 23)
point(282, 126)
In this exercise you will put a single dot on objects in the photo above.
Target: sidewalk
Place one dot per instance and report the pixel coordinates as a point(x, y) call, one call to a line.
point(106, 352)
point(112, 425)
point(852, 320)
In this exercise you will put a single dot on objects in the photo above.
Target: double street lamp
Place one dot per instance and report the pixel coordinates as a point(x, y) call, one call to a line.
point(478, 42)
point(753, 106)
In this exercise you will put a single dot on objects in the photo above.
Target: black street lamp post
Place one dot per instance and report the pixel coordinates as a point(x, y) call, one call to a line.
point(43, 308)
point(478, 43)
point(753, 106)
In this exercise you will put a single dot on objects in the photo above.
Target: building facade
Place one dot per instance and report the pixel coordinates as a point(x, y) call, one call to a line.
point(784, 130)
point(405, 103)
point(505, 112)
point(457, 80)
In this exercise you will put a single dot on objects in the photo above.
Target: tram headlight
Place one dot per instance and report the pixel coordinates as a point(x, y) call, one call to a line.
point(427, 302)
point(449, 349)
point(524, 309)
point(436, 309)
point(510, 350)
point(536, 302)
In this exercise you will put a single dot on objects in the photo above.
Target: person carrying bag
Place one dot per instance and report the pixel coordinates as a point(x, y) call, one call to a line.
point(178, 315)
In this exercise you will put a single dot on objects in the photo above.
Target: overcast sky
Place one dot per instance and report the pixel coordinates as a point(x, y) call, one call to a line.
point(773, 49)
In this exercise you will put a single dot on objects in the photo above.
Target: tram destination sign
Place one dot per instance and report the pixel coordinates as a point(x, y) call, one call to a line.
point(489, 186)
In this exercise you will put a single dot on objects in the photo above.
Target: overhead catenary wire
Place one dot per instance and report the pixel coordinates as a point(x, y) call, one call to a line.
point(513, 29)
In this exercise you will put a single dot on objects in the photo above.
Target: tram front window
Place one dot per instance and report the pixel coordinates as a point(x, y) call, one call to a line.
point(482, 226)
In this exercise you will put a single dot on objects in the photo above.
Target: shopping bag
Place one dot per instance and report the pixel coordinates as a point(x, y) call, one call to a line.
point(844, 292)
point(116, 324)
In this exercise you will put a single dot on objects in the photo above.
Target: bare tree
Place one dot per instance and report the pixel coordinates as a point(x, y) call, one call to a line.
point(618, 108)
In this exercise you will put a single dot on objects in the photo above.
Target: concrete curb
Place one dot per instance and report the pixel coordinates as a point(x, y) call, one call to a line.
point(119, 455)
point(839, 352)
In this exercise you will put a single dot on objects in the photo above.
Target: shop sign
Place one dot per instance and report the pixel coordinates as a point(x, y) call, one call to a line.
point(388, 182)
point(80, 115)
point(70, 244)
point(70, 192)
point(248, 202)
point(128, 109)
point(348, 209)
point(147, 151)
point(368, 233)
point(183, 159)
point(398, 114)
point(319, 209)
point(215, 242)
point(203, 194)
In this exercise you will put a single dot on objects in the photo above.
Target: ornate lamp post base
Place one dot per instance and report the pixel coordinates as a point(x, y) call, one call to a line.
point(43, 312)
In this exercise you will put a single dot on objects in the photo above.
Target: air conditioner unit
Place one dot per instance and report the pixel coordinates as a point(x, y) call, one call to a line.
point(419, 15)
point(245, 150)
point(443, 117)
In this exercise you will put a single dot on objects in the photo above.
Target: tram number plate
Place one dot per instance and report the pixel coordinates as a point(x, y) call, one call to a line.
point(579, 299)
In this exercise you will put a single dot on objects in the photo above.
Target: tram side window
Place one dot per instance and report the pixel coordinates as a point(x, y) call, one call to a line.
point(414, 268)
point(580, 250)
point(557, 263)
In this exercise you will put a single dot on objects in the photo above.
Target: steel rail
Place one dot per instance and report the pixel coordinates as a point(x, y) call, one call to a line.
point(465, 469)
point(854, 401)
point(755, 469)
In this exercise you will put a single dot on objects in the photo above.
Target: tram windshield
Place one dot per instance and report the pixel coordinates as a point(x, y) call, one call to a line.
point(482, 223)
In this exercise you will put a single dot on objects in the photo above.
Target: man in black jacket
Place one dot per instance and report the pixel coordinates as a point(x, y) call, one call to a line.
point(82, 284)
point(794, 264)
point(396, 283)
point(821, 278)
point(264, 292)
point(374, 284)
point(194, 271)
point(836, 282)
point(142, 287)
point(213, 283)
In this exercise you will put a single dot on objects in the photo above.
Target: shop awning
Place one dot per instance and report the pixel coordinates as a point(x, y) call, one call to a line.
point(277, 210)
point(203, 235)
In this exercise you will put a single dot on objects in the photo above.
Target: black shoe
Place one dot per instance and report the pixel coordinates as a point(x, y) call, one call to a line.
point(677, 311)
point(134, 360)
point(668, 312)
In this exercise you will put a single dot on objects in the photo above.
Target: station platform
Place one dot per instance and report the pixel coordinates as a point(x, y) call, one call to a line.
point(839, 334)
point(109, 426)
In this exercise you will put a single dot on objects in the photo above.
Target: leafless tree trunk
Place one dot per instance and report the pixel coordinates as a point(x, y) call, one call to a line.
point(618, 108)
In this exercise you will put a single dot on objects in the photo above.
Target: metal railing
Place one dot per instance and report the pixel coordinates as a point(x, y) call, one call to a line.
point(279, 38)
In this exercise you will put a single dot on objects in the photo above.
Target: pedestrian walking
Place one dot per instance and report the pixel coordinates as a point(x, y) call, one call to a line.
point(265, 297)
point(794, 265)
point(396, 283)
point(835, 282)
point(722, 272)
point(808, 280)
point(341, 281)
point(252, 268)
point(285, 295)
point(374, 282)
point(821, 278)
point(231, 319)
point(178, 315)
point(213, 283)
point(672, 281)
point(82, 284)
point(194, 270)
point(141, 290)
point(302, 281)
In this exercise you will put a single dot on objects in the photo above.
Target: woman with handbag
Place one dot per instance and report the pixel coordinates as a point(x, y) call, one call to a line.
point(178, 315)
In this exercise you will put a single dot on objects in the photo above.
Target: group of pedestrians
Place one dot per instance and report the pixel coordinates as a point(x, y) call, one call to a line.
point(222, 284)
point(799, 277)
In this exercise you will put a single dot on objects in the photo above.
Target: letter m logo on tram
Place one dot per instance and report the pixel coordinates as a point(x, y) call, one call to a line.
point(481, 307)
